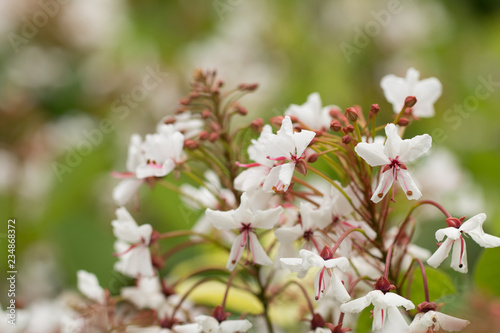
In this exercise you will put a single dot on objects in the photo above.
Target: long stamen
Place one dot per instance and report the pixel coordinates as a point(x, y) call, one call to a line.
point(462, 245)
point(281, 158)
point(250, 165)
point(319, 283)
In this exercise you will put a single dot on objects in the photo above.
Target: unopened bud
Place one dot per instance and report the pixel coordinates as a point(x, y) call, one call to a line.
point(213, 137)
point(248, 87)
point(203, 135)
point(194, 94)
point(184, 101)
point(317, 321)
point(348, 129)
point(206, 114)
point(276, 121)
point(219, 314)
point(454, 222)
point(181, 109)
point(326, 253)
point(301, 167)
point(403, 122)
point(426, 306)
point(410, 101)
point(346, 139)
point(351, 114)
point(334, 113)
point(375, 108)
point(335, 126)
point(257, 125)
point(191, 144)
point(383, 285)
point(312, 158)
point(241, 110)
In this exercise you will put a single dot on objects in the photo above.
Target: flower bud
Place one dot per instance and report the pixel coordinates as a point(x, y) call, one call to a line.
point(383, 285)
point(203, 135)
point(206, 114)
point(276, 121)
point(169, 120)
point(410, 101)
point(426, 306)
point(351, 114)
point(191, 144)
point(346, 139)
point(348, 129)
point(219, 314)
point(184, 101)
point(317, 321)
point(375, 108)
point(326, 253)
point(301, 167)
point(241, 110)
point(312, 158)
point(335, 126)
point(257, 125)
point(454, 222)
point(403, 122)
point(334, 113)
point(213, 137)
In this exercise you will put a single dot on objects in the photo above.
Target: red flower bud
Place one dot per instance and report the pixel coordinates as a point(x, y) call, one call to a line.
point(335, 126)
point(346, 139)
point(410, 101)
point(351, 114)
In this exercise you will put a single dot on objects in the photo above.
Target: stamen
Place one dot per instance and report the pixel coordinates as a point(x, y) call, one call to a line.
point(281, 158)
point(250, 165)
point(319, 283)
point(460, 264)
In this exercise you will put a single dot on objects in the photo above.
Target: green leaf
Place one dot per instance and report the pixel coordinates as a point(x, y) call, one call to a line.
point(365, 320)
point(486, 273)
point(439, 283)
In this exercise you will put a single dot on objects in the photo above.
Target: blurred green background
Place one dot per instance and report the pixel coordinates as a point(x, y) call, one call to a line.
point(65, 66)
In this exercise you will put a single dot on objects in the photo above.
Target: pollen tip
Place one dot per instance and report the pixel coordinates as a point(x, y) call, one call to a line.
point(380, 195)
point(409, 193)
point(460, 266)
point(316, 297)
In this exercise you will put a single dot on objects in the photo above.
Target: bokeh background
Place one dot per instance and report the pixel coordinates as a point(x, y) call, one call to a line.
point(72, 91)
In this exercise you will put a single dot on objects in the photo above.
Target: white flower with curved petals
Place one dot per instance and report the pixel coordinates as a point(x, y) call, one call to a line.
point(162, 151)
point(132, 247)
point(427, 91)
point(285, 145)
point(147, 294)
point(246, 218)
point(89, 286)
point(385, 308)
point(431, 321)
point(455, 239)
point(325, 279)
point(311, 113)
point(209, 324)
point(393, 156)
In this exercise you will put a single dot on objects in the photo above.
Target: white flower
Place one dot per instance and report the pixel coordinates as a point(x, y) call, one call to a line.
point(431, 321)
point(454, 233)
point(89, 286)
point(132, 246)
point(186, 123)
point(427, 91)
point(257, 172)
point(162, 151)
point(209, 324)
point(385, 308)
point(393, 156)
point(325, 278)
point(311, 113)
point(124, 191)
point(245, 218)
point(285, 146)
point(147, 294)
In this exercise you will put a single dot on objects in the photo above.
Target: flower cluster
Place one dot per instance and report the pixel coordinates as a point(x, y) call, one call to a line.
point(315, 193)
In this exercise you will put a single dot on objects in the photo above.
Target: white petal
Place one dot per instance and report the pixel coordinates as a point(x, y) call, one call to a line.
point(356, 305)
point(395, 91)
point(415, 147)
point(475, 222)
point(379, 318)
point(427, 92)
point(313, 218)
point(222, 220)
point(338, 289)
point(341, 263)
point(441, 253)
point(383, 186)
point(312, 258)
point(393, 143)
point(395, 320)
point(293, 264)
point(459, 256)
point(259, 255)
point(236, 252)
point(266, 219)
point(89, 286)
point(474, 228)
point(408, 185)
point(302, 140)
point(272, 180)
point(251, 178)
point(125, 190)
point(450, 232)
point(451, 324)
point(232, 326)
point(372, 153)
point(288, 235)
point(393, 299)
point(207, 323)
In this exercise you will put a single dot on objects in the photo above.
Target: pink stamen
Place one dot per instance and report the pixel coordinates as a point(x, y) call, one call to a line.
point(319, 283)
point(122, 175)
point(250, 165)
point(460, 264)
point(155, 166)
point(127, 250)
point(281, 158)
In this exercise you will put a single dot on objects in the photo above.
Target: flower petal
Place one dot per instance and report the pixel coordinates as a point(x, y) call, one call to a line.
point(450, 232)
point(383, 186)
point(441, 253)
point(393, 299)
point(356, 305)
point(236, 252)
point(341, 263)
point(232, 326)
point(338, 289)
point(125, 190)
point(293, 264)
point(393, 143)
point(459, 256)
point(302, 140)
point(288, 235)
point(451, 324)
point(372, 153)
point(266, 219)
point(408, 185)
point(415, 147)
point(259, 255)
point(222, 220)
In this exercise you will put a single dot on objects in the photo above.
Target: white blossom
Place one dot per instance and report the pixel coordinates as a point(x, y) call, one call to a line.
point(89, 286)
point(311, 113)
point(431, 321)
